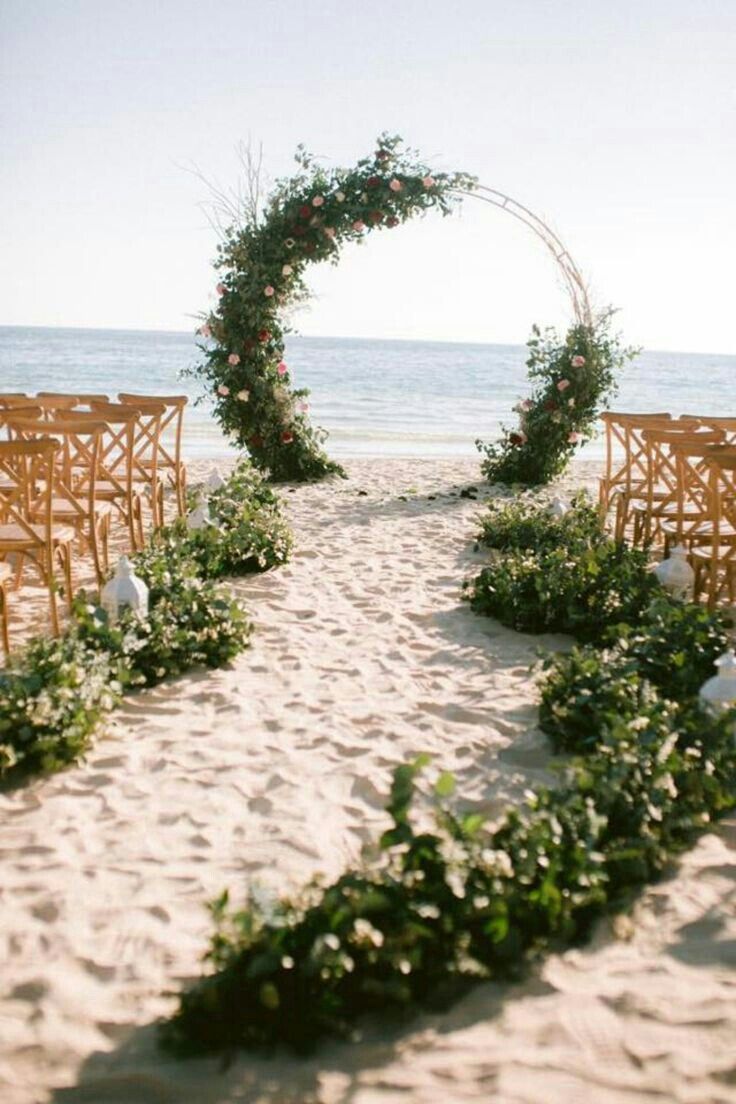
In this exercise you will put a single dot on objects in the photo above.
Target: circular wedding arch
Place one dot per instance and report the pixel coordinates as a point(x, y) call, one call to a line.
point(306, 219)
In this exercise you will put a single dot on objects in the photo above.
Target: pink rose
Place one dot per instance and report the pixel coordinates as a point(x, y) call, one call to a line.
point(318, 201)
point(578, 361)
point(428, 181)
point(573, 438)
point(233, 359)
point(220, 289)
point(243, 396)
point(303, 407)
point(358, 225)
point(395, 185)
point(223, 390)
point(329, 232)
point(269, 291)
point(563, 385)
point(527, 405)
point(287, 270)
point(281, 368)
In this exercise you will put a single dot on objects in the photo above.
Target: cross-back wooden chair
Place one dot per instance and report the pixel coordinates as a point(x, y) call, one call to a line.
point(714, 560)
point(663, 496)
point(75, 501)
point(146, 450)
point(28, 531)
point(169, 456)
point(115, 483)
point(627, 472)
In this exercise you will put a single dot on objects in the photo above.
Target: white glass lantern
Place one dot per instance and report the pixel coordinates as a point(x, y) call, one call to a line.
point(719, 692)
point(558, 508)
point(125, 591)
point(215, 482)
point(675, 573)
point(199, 517)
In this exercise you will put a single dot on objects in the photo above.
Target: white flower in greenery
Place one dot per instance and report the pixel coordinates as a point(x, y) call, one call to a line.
point(340, 197)
point(243, 396)
point(287, 270)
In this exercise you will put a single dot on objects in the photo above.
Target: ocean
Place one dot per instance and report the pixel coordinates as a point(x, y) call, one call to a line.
point(375, 398)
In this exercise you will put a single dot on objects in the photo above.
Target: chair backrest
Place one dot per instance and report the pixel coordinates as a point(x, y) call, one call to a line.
point(77, 464)
point(624, 432)
point(172, 421)
point(668, 463)
point(80, 399)
point(728, 425)
point(722, 486)
point(27, 471)
point(149, 415)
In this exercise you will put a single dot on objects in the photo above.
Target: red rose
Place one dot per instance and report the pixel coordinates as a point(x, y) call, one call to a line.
point(382, 155)
point(550, 404)
point(376, 216)
point(256, 441)
point(373, 181)
point(305, 212)
point(516, 439)
point(287, 437)
point(299, 231)
point(393, 221)
point(263, 335)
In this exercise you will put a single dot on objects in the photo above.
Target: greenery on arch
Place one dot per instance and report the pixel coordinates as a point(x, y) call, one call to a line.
point(261, 262)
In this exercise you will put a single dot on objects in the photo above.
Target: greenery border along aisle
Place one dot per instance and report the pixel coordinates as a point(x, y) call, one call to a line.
point(433, 908)
point(56, 691)
point(308, 218)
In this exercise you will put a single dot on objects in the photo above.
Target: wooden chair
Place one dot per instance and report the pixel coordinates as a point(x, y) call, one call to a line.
point(714, 560)
point(663, 495)
point(6, 574)
point(627, 475)
point(77, 469)
point(27, 527)
point(146, 449)
point(169, 458)
point(114, 483)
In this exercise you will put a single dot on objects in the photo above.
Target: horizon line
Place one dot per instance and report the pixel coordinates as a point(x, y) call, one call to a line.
point(330, 337)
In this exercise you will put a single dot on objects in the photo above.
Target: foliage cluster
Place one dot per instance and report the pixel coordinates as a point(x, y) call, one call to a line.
point(54, 693)
point(573, 378)
point(309, 217)
point(446, 899)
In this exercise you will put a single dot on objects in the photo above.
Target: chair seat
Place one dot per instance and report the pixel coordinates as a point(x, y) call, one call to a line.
point(63, 509)
point(105, 489)
point(14, 537)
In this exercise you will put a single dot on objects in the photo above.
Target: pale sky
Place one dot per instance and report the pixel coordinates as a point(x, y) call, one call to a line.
point(615, 119)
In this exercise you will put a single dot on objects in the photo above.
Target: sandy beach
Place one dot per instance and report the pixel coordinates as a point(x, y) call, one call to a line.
point(278, 767)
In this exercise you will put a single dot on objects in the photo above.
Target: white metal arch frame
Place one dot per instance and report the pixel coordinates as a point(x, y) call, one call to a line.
point(571, 275)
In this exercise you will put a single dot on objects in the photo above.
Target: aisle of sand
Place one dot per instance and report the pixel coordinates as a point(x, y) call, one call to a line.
point(279, 767)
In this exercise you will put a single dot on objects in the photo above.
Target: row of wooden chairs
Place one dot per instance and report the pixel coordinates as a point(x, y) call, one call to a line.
point(73, 463)
point(671, 481)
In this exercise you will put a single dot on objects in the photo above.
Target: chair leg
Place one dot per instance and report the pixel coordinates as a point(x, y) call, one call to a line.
point(4, 631)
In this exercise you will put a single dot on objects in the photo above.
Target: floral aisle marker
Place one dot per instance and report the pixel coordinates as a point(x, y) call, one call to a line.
point(262, 260)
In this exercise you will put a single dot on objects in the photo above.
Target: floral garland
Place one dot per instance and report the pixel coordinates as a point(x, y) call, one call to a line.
point(574, 377)
point(307, 218)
